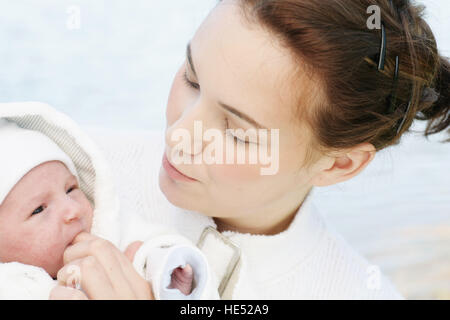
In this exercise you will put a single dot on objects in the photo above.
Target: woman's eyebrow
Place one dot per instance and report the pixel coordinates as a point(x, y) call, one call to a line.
point(189, 59)
point(234, 111)
point(243, 116)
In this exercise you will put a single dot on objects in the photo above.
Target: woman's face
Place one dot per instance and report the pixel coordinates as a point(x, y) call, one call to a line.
point(242, 66)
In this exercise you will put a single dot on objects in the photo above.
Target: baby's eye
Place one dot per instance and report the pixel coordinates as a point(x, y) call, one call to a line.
point(71, 189)
point(38, 210)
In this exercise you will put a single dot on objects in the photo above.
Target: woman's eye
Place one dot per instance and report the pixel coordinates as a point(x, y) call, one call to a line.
point(189, 83)
point(38, 210)
point(239, 140)
point(236, 139)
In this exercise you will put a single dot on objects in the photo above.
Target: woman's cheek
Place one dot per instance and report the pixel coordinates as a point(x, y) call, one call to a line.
point(179, 98)
point(233, 173)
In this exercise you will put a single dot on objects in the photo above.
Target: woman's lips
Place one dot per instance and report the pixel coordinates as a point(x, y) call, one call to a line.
point(173, 172)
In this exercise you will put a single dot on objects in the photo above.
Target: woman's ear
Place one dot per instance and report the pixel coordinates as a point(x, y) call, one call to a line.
point(344, 165)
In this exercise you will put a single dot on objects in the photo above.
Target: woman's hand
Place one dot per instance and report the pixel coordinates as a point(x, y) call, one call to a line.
point(103, 272)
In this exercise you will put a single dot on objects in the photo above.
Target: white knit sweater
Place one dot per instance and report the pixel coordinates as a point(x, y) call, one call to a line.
point(309, 260)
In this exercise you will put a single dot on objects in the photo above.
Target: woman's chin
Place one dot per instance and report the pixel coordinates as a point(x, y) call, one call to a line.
point(172, 191)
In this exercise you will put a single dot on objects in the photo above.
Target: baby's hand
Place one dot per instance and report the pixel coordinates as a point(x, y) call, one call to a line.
point(182, 279)
point(66, 293)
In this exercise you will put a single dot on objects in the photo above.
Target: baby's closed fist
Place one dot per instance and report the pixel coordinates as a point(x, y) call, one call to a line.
point(182, 279)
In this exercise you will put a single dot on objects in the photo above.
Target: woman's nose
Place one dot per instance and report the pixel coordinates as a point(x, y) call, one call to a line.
point(185, 136)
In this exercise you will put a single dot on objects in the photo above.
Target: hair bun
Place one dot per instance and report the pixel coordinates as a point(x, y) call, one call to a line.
point(429, 95)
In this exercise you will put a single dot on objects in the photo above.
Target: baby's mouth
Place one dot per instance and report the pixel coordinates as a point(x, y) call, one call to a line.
point(73, 239)
point(82, 229)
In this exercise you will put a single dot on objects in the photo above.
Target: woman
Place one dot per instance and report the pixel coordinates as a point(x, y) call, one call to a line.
point(337, 91)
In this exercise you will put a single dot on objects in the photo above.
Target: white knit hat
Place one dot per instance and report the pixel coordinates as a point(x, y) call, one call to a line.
point(22, 150)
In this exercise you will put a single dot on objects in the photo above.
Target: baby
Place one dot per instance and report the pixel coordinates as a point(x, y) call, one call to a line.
point(43, 208)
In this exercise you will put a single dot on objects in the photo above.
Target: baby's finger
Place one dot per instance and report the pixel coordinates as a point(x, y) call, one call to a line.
point(66, 293)
point(70, 275)
point(119, 269)
point(107, 255)
point(90, 246)
point(91, 277)
point(84, 236)
point(182, 279)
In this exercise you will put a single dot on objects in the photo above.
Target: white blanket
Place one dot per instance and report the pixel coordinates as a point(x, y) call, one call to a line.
point(163, 249)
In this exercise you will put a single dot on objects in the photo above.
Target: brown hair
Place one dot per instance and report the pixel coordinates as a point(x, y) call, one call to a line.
point(332, 38)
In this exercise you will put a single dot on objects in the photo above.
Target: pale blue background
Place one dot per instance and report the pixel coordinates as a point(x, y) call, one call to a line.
point(117, 69)
point(116, 72)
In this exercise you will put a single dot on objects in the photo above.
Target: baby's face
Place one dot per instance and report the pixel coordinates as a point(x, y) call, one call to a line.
point(41, 216)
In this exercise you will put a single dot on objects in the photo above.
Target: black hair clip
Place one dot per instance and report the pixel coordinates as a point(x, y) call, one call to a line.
point(382, 55)
point(404, 117)
point(381, 61)
point(392, 98)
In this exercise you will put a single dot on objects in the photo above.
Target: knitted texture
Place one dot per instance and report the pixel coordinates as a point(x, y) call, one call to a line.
point(309, 260)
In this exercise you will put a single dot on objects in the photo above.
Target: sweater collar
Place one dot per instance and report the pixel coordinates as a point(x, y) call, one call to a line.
point(267, 256)
point(288, 248)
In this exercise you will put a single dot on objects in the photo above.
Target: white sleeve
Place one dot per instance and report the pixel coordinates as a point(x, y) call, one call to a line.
point(137, 228)
point(157, 259)
point(24, 282)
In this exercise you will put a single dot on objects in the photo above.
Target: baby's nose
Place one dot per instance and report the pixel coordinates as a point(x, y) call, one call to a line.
point(72, 211)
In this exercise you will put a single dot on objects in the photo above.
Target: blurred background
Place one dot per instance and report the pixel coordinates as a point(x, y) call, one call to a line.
point(110, 63)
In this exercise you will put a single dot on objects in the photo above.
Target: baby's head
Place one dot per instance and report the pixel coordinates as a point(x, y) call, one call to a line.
point(42, 208)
